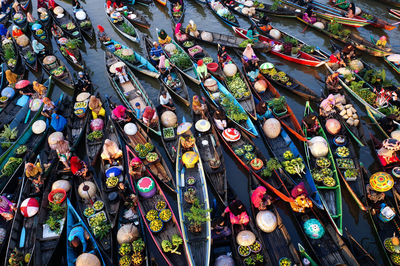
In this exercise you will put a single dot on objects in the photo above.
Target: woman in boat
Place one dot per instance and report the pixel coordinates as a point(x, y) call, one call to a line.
point(263, 23)
point(136, 168)
point(187, 142)
point(220, 119)
point(78, 167)
point(351, 11)
point(40, 89)
point(16, 32)
point(163, 38)
point(119, 114)
point(301, 200)
point(335, 61)
point(111, 151)
point(150, 117)
point(58, 122)
point(63, 152)
point(252, 33)
point(198, 107)
point(348, 52)
point(332, 83)
point(180, 36)
point(11, 77)
point(263, 111)
point(34, 174)
point(156, 52)
point(96, 107)
point(166, 102)
point(237, 213)
point(309, 16)
point(103, 37)
point(38, 48)
point(202, 70)
point(260, 198)
point(191, 29)
point(164, 65)
point(56, 31)
point(78, 239)
point(27, 90)
point(248, 54)
point(375, 198)
point(382, 42)
point(121, 74)
point(7, 208)
point(223, 57)
point(110, 7)
point(48, 107)
point(219, 229)
point(311, 123)
point(83, 83)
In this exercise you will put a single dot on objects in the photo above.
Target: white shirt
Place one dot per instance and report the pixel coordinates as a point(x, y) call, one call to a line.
point(165, 101)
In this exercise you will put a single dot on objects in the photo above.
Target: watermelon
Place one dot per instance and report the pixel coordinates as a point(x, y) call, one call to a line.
point(146, 187)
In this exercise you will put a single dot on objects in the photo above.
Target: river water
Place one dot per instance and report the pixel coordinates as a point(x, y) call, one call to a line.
point(353, 219)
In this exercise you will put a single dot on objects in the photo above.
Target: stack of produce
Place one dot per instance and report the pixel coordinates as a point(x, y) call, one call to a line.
point(131, 247)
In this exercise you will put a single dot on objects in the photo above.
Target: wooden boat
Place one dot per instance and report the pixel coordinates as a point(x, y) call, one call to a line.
point(46, 238)
point(359, 252)
point(330, 193)
point(329, 249)
point(279, 11)
point(136, 62)
point(25, 4)
point(199, 242)
point(65, 79)
point(105, 240)
point(222, 247)
point(395, 67)
point(29, 56)
point(16, 66)
point(273, 183)
point(189, 72)
point(305, 255)
point(19, 19)
point(394, 13)
point(137, 18)
point(85, 25)
point(210, 150)
point(357, 41)
point(44, 38)
point(169, 228)
point(245, 100)
point(177, 16)
point(130, 92)
point(278, 242)
point(229, 20)
point(229, 104)
point(67, 24)
point(301, 58)
point(124, 27)
point(238, 6)
point(74, 220)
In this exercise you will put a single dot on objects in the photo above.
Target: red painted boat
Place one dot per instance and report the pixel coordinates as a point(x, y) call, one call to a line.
point(302, 58)
point(394, 13)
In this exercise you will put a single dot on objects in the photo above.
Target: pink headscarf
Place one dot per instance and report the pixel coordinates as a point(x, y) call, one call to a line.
point(178, 28)
point(248, 52)
point(299, 190)
point(119, 111)
point(134, 161)
point(161, 64)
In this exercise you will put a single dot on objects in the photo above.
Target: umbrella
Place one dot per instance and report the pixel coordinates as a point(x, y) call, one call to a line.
point(36, 26)
point(114, 66)
point(183, 128)
point(22, 84)
point(381, 181)
point(245, 238)
point(391, 144)
point(393, 58)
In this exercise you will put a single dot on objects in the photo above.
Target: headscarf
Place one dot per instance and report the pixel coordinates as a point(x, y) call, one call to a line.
point(5, 204)
point(110, 148)
point(248, 52)
point(162, 34)
point(11, 77)
point(261, 108)
point(353, 7)
point(40, 88)
point(191, 22)
point(94, 104)
point(196, 101)
point(309, 11)
point(100, 28)
point(178, 28)
point(135, 162)
point(58, 122)
point(119, 111)
point(298, 190)
point(108, 4)
point(200, 62)
point(37, 46)
point(76, 164)
point(148, 112)
point(3, 30)
point(237, 207)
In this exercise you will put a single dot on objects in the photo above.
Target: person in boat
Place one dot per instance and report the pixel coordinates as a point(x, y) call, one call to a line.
point(164, 65)
point(166, 102)
point(38, 48)
point(58, 122)
point(180, 36)
point(172, 83)
point(248, 54)
point(252, 33)
point(121, 74)
point(7, 208)
point(16, 32)
point(56, 31)
point(219, 229)
point(111, 151)
point(76, 5)
point(237, 213)
point(48, 107)
point(156, 52)
point(110, 7)
point(63, 152)
point(27, 90)
point(263, 23)
point(150, 117)
point(252, 70)
point(335, 61)
point(138, 111)
point(163, 38)
point(223, 57)
point(351, 11)
point(52, 4)
point(387, 156)
point(119, 114)
point(11, 77)
point(309, 16)
point(187, 142)
point(78, 240)
point(136, 168)
point(83, 83)
point(176, 9)
point(198, 107)
point(3, 31)
point(260, 198)
point(96, 107)
point(220, 119)
point(103, 37)
point(374, 197)
point(348, 52)
point(78, 167)
point(301, 200)
point(311, 123)
point(332, 83)
point(34, 174)
point(191, 29)
point(202, 70)
point(382, 42)
point(343, 4)
point(263, 111)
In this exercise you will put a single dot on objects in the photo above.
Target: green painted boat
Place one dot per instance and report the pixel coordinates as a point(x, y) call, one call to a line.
point(330, 192)
point(392, 65)
point(304, 254)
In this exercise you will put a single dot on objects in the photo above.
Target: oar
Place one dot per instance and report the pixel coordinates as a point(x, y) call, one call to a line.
point(305, 28)
point(29, 112)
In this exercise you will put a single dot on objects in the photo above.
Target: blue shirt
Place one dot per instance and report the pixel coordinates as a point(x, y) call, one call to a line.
point(80, 233)
point(139, 113)
point(157, 52)
point(59, 123)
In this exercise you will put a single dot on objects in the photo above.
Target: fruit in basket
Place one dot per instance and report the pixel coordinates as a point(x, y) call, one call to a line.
point(165, 215)
point(395, 257)
point(89, 211)
point(239, 151)
point(351, 173)
point(345, 163)
point(137, 259)
point(285, 262)
point(156, 225)
point(248, 147)
point(125, 261)
point(343, 152)
point(326, 172)
point(255, 247)
point(249, 156)
point(161, 204)
point(244, 251)
point(389, 244)
point(151, 157)
point(98, 205)
point(288, 155)
point(112, 181)
point(323, 162)
point(125, 249)
point(318, 176)
point(151, 215)
point(329, 181)
point(149, 147)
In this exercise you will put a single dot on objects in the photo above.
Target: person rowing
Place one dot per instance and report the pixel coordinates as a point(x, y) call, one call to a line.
point(309, 16)
point(332, 83)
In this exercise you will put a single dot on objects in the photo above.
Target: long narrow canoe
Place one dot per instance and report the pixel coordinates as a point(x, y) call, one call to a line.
point(130, 92)
point(301, 58)
point(85, 25)
point(198, 244)
point(124, 27)
point(393, 65)
point(73, 31)
point(177, 16)
point(135, 61)
point(394, 13)
point(330, 194)
point(65, 79)
point(169, 228)
point(229, 19)
point(136, 17)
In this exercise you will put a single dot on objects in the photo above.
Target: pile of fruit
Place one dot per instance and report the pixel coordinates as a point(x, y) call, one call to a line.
point(346, 111)
point(345, 163)
point(392, 245)
point(99, 224)
point(158, 216)
point(132, 253)
point(237, 87)
point(143, 150)
point(294, 166)
point(156, 225)
point(285, 262)
point(343, 152)
point(112, 181)
point(322, 173)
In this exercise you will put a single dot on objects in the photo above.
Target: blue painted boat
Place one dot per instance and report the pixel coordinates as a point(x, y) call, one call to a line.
point(230, 22)
point(74, 220)
point(3, 80)
point(248, 125)
point(139, 63)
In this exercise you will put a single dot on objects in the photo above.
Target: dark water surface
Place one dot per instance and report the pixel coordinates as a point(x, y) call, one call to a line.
point(353, 219)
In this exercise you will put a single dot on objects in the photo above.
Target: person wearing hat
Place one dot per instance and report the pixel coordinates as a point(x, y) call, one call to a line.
point(96, 107)
point(34, 173)
point(48, 107)
point(121, 74)
point(202, 70)
point(237, 213)
point(191, 29)
point(78, 167)
point(156, 51)
point(136, 168)
point(58, 122)
point(138, 111)
point(16, 32)
point(63, 152)
point(11, 77)
point(111, 151)
point(260, 198)
point(83, 82)
point(103, 37)
point(248, 54)
point(220, 119)
point(187, 142)
point(332, 82)
point(163, 37)
point(382, 42)
point(166, 101)
point(150, 117)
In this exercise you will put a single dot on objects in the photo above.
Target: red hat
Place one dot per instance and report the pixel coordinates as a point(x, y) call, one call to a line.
point(200, 62)
point(115, 5)
point(101, 29)
point(108, 4)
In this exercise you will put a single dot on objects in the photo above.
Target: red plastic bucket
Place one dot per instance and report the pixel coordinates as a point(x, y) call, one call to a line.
point(212, 67)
